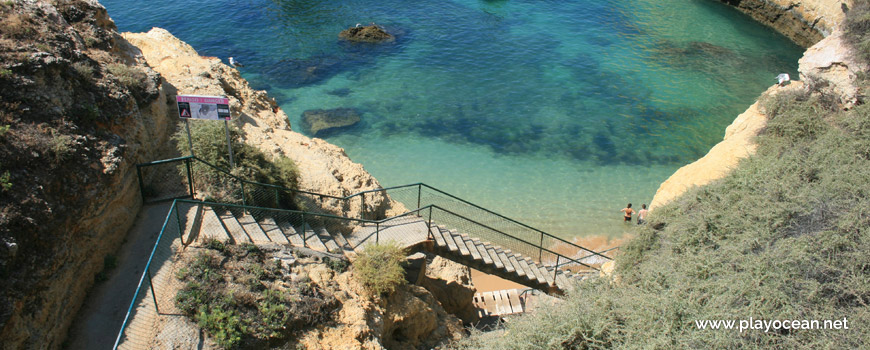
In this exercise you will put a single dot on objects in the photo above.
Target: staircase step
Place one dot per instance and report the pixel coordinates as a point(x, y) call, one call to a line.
point(482, 250)
point(273, 231)
point(516, 264)
point(253, 229)
point(451, 244)
point(436, 234)
point(524, 265)
point(548, 275)
point(562, 281)
point(344, 245)
point(504, 260)
point(328, 240)
point(471, 247)
point(460, 242)
point(292, 235)
point(233, 227)
point(312, 241)
point(494, 256)
point(536, 270)
point(211, 228)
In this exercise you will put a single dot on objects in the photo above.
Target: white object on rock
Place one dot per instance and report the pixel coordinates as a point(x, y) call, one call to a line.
point(782, 78)
point(235, 63)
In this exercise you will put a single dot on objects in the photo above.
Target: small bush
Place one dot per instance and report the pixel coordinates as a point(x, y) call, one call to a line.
point(84, 69)
point(5, 73)
point(209, 142)
point(378, 268)
point(61, 147)
point(129, 76)
point(5, 184)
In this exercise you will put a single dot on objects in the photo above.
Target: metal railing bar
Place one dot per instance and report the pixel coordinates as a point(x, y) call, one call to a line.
point(142, 279)
point(163, 161)
point(511, 220)
point(518, 239)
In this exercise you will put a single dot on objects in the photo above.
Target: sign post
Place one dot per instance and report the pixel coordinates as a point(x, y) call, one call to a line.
point(205, 107)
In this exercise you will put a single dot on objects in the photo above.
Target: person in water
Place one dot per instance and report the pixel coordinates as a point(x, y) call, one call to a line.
point(627, 211)
point(641, 215)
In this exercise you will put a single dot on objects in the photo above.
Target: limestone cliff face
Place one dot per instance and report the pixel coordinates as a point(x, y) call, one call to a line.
point(323, 167)
point(804, 22)
point(80, 115)
point(829, 61)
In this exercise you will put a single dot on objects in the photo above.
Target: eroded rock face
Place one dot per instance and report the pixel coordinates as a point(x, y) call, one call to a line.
point(832, 64)
point(323, 167)
point(319, 121)
point(68, 81)
point(409, 318)
point(804, 22)
point(369, 34)
point(450, 283)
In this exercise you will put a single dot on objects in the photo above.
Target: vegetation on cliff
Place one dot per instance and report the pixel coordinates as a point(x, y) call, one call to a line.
point(784, 237)
point(245, 299)
point(209, 144)
point(68, 130)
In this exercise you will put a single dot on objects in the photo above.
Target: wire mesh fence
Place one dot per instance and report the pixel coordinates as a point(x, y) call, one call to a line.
point(160, 181)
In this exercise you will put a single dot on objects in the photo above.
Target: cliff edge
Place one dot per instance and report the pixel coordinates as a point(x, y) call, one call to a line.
point(829, 65)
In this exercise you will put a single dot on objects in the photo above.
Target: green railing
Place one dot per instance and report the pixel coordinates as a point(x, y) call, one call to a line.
point(155, 300)
point(157, 183)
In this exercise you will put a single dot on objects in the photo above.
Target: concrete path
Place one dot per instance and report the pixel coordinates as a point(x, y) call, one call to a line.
point(100, 318)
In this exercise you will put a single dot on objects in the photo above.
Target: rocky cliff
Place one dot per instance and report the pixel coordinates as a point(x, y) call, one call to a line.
point(76, 114)
point(804, 22)
point(829, 64)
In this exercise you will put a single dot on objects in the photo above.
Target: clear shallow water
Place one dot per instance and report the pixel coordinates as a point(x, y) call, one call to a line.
point(551, 112)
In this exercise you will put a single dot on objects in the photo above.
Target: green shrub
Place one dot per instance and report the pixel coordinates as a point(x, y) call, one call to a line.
point(209, 142)
point(5, 183)
point(61, 147)
point(243, 301)
point(130, 76)
point(84, 69)
point(378, 268)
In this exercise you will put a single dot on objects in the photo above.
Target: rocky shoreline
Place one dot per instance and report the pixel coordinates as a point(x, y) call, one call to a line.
point(827, 58)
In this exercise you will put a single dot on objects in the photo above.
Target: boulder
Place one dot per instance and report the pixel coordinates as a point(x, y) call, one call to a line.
point(368, 34)
point(320, 120)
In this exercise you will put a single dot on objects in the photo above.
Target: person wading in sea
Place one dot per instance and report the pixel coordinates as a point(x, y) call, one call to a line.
point(627, 211)
point(641, 214)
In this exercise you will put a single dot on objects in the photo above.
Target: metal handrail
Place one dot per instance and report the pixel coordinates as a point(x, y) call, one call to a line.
point(514, 221)
point(518, 239)
point(142, 279)
point(362, 193)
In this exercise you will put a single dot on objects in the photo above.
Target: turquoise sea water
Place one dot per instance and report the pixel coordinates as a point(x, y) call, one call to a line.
point(555, 113)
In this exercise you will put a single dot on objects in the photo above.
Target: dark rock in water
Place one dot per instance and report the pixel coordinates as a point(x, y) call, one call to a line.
point(342, 92)
point(320, 120)
point(368, 34)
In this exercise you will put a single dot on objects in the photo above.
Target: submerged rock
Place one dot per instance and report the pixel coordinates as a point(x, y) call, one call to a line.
point(369, 34)
point(320, 120)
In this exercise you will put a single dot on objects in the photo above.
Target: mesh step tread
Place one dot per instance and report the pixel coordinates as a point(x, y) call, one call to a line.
point(253, 229)
point(451, 244)
point(436, 234)
point(273, 231)
point(234, 228)
point(471, 247)
point(536, 270)
point(460, 242)
point(328, 240)
point(529, 272)
point(494, 256)
point(212, 228)
point(508, 266)
point(312, 241)
point(344, 244)
point(548, 275)
point(290, 232)
point(516, 264)
point(482, 250)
